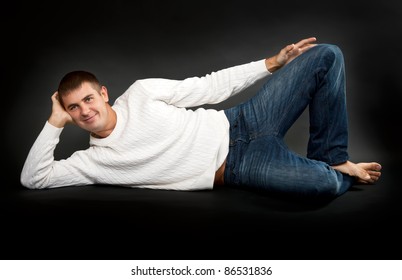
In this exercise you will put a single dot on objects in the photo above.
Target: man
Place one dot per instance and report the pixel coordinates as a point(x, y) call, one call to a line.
point(149, 139)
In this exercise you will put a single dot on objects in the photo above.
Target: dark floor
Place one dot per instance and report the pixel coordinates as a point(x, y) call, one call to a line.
point(105, 222)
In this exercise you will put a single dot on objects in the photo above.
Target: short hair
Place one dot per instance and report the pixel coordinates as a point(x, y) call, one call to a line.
point(73, 80)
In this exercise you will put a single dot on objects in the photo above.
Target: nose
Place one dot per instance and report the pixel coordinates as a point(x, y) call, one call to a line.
point(85, 110)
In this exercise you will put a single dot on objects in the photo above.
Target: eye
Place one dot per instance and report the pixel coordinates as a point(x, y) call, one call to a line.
point(72, 107)
point(89, 99)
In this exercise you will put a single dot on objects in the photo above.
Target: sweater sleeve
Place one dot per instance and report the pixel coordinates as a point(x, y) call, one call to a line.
point(41, 171)
point(209, 89)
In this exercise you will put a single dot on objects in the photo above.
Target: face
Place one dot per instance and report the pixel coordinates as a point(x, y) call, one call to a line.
point(89, 108)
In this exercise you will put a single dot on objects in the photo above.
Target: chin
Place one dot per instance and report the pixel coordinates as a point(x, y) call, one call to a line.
point(89, 128)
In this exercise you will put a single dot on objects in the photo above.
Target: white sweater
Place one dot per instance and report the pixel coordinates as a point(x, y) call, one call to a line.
point(157, 143)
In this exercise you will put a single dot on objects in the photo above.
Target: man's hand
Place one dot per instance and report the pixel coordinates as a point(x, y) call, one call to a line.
point(288, 53)
point(59, 117)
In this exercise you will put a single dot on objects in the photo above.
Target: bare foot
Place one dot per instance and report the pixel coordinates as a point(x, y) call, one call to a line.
point(365, 172)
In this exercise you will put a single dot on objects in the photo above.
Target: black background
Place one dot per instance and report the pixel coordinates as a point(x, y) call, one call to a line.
point(121, 41)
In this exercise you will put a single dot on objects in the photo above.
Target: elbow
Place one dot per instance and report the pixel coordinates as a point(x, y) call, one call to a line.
point(27, 182)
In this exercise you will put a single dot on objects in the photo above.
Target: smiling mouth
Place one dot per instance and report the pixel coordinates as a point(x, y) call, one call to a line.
point(89, 119)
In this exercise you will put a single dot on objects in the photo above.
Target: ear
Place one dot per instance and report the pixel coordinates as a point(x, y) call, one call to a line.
point(104, 94)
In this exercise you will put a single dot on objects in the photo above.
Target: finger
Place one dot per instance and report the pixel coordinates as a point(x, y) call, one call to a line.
point(289, 48)
point(305, 48)
point(55, 97)
point(306, 41)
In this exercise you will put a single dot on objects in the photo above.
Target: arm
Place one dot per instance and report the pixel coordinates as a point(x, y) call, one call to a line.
point(40, 170)
point(209, 89)
point(221, 85)
point(38, 164)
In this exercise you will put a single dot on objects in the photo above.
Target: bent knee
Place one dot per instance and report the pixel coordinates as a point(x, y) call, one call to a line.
point(329, 50)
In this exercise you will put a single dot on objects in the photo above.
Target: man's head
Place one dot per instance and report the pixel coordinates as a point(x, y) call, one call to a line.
point(73, 81)
point(86, 101)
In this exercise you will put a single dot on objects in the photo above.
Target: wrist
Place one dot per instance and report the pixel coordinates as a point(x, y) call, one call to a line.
point(272, 64)
point(57, 122)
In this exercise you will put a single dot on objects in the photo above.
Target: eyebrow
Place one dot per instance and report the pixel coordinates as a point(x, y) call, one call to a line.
point(85, 97)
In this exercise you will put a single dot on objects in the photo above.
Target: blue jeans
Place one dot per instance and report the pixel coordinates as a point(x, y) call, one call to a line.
point(258, 156)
